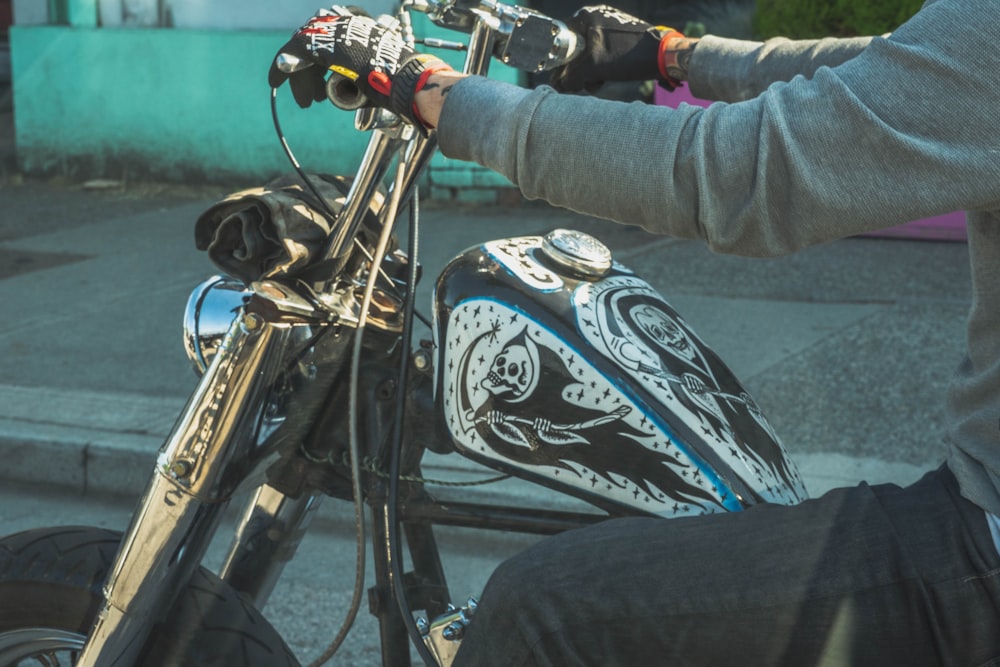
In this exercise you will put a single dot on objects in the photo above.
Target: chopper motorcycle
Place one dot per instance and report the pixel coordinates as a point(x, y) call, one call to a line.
point(550, 362)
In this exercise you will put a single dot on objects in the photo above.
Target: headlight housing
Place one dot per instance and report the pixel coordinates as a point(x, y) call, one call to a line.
point(209, 312)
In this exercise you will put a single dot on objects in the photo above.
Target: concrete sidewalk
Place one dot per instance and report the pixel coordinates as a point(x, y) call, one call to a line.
point(847, 347)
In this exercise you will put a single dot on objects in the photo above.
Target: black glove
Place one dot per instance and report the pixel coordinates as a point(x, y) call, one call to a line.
point(376, 58)
point(617, 47)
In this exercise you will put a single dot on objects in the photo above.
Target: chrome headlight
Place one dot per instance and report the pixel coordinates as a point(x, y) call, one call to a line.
point(210, 310)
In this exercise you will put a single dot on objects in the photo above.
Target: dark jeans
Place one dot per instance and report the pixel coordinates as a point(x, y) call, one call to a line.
point(870, 575)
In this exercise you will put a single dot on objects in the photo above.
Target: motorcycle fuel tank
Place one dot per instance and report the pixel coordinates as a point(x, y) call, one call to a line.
point(557, 364)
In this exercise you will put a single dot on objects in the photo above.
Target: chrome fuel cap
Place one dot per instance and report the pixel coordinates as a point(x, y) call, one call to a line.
point(578, 252)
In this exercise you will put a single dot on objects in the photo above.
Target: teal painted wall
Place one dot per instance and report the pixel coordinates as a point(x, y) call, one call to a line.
point(178, 105)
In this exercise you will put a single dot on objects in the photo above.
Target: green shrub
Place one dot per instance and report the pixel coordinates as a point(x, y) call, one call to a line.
point(802, 19)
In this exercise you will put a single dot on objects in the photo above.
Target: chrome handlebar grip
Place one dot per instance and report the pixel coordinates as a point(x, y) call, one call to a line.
point(344, 93)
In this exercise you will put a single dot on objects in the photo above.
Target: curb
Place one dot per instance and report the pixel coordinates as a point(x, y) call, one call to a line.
point(106, 443)
point(79, 440)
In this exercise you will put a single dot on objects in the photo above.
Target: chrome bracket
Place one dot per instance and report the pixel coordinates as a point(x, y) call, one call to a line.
point(443, 635)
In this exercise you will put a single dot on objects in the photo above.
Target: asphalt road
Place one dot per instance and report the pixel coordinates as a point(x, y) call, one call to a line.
point(848, 348)
point(311, 600)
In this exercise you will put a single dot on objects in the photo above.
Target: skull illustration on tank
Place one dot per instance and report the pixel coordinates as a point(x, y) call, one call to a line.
point(513, 375)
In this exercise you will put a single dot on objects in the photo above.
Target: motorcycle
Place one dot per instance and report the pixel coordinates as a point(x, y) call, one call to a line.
point(549, 361)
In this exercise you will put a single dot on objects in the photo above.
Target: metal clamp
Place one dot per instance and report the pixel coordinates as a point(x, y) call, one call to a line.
point(443, 636)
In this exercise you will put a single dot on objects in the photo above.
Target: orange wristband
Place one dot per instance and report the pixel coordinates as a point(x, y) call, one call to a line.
point(667, 58)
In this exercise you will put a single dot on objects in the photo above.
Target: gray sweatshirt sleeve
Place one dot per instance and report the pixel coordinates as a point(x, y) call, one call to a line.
point(733, 70)
point(904, 129)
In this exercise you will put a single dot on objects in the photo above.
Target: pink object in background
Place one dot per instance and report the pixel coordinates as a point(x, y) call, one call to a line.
point(665, 98)
point(947, 227)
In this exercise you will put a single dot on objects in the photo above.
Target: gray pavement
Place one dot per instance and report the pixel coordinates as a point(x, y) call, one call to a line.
point(309, 603)
point(848, 347)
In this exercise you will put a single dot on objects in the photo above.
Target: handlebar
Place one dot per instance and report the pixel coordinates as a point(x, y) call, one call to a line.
point(523, 38)
point(519, 37)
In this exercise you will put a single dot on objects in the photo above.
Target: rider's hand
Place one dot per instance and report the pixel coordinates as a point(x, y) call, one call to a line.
point(617, 47)
point(376, 58)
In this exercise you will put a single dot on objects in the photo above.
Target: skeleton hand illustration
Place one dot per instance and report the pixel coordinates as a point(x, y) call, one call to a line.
point(694, 384)
point(532, 433)
point(541, 424)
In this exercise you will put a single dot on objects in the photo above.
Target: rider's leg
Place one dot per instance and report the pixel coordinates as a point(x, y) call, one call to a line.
point(862, 576)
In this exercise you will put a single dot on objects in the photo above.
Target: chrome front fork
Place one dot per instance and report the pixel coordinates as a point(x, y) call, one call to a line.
point(208, 453)
point(266, 539)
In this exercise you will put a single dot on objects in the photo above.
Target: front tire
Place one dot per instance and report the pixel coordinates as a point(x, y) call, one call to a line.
point(50, 593)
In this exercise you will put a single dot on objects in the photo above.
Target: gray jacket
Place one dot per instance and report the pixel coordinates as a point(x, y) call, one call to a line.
point(816, 140)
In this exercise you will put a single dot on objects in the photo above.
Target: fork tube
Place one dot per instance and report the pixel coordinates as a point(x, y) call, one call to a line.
point(373, 167)
point(477, 60)
point(380, 149)
point(203, 459)
point(418, 153)
point(266, 539)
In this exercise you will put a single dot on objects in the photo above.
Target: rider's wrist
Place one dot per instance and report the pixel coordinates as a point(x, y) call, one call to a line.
point(673, 56)
point(429, 101)
point(410, 79)
point(421, 84)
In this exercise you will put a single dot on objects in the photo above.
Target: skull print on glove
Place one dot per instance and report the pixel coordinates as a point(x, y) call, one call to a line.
point(375, 57)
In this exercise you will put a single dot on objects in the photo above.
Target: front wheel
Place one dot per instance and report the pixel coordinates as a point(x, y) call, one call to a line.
point(50, 593)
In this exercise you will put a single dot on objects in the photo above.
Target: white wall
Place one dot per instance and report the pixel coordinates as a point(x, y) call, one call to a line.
point(129, 12)
point(222, 14)
point(30, 12)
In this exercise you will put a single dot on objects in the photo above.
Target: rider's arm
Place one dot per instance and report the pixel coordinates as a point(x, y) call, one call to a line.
point(725, 69)
point(901, 131)
point(430, 99)
point(733, 70)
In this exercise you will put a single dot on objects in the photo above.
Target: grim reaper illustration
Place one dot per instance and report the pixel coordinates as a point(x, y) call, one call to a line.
point(649, 339)
point(538, 406)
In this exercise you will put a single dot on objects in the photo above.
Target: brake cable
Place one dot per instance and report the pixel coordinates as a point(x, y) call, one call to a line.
point(409, 312)
point(353, 426)
point(396, 444)
point(327, 212)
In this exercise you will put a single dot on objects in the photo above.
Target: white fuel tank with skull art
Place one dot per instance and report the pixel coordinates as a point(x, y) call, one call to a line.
point(557, 364)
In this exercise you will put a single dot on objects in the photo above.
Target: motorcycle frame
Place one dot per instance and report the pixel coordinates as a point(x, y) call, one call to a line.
point(212, 451)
